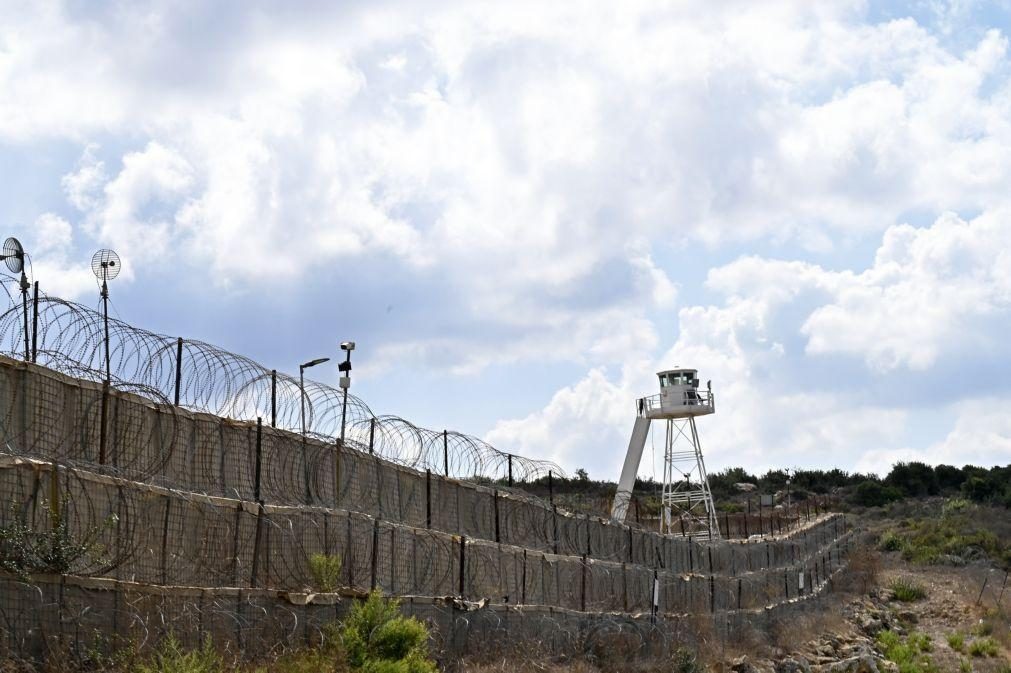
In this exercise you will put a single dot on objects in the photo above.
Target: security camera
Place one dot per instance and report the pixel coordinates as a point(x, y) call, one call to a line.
point(347, 345)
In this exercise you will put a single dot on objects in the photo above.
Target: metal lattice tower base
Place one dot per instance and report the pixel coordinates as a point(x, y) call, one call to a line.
point(686, 502)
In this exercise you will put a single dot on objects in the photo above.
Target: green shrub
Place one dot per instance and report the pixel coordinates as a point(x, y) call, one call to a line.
point(25, 550)
point(907, 591)
point(984, 647)
point(909, 654)
point(890, 542)
point(685, 661)
point(326, 571)
point(956, 641)
point(171, 657)
point(953, 505)
point(379, 639)
point(921, 641)
point(870, 493)
point(964, 666)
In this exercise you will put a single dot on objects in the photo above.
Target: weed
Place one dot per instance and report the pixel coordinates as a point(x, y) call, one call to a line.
point(921, 641)
point(326, 571)
point(965, 666)
point(171, 657)
point(956, 641)
point(984, 647)
point(907, 591)
point(685, 661)
point(910, 654)
point(890, 542)
point(954, 505)
point(325, 659)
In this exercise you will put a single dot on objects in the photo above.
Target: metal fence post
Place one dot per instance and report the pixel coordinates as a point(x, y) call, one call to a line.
point(428, 499)
point(510, 460)
point(273, 398)
point(551, 488)
point(35, 323)
point(582, 585)
point(372, 435)
point(259, 459)
point(463, 564)
point(375, 551)
point(445, 452)
point(494, 496)
point(179, 368)
point(164, 541)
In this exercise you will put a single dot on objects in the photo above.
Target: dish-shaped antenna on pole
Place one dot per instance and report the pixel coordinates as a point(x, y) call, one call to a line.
point(105, 264)
point(14, 255)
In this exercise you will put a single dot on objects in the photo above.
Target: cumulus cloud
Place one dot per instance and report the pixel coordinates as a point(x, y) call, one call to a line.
point(533, 167)
point(932, 293)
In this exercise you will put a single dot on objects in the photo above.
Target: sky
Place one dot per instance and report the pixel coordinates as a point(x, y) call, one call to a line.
point(522, 211)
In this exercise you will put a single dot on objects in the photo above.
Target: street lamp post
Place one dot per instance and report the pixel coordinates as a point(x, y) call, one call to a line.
point(345, 382)
point(301, 384)
point(301, 398)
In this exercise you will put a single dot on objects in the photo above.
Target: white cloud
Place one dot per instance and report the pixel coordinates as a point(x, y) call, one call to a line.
point(932, 293)
point(50, 245)
point(534, 162)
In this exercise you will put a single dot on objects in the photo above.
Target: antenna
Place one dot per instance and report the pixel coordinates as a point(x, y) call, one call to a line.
point(14, 257)
point(105, 265)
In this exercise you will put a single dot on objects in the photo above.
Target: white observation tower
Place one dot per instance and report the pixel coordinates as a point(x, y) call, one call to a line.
point(686, 503)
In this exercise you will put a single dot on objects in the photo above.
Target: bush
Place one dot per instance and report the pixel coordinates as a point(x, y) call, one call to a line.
point(911, 655)
point(25, 550)
point(870, 493)
point(956, 641)
point(907, 591)
point(984, 647)
point(379, 639)
point(980, 489)
point(913, 479)
point(685, 661)
point(326, 571)
point(890, 542)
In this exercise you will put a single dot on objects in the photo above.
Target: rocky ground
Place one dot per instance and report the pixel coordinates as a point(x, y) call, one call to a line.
point(932, 634)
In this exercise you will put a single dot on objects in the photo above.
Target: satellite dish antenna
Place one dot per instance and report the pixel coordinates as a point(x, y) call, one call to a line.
point(14, 257)
point(105, 264)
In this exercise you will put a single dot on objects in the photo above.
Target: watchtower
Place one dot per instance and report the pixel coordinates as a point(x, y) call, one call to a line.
point(686, 502)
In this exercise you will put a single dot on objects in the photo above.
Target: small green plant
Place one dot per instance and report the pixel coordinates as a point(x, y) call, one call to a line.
point(910, 654)
point(172, 657)
point(1003, 667)
point(378, 639)
point(907, 591)
point(685, 661)
point(326, 571)
point(984, 647)
point(890, 542)
point(921, 641)
point(954, 505)
point(965, 666)
point(956, 641)
point(25, 550)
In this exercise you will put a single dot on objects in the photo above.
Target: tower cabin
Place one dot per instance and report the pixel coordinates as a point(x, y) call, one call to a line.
point(679, 396)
